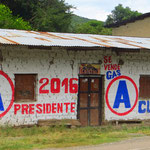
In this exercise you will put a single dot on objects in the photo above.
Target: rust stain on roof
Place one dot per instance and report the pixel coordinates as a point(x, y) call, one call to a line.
point(91, 42)
point(22, 37)
point(29, 31)
point(43, 39)
point(11, 41)
point(46, 34)
point(101, 39)
point(54, 36)
point(127, 42)
point(14, 34)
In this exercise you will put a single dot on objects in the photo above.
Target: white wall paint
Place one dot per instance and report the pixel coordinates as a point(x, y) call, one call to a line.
point(60, 63)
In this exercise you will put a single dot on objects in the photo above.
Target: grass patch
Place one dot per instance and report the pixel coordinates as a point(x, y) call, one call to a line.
point(44, 137)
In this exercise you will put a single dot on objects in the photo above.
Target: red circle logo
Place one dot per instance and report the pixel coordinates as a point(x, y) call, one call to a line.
point(108, 90)
point(8, 99)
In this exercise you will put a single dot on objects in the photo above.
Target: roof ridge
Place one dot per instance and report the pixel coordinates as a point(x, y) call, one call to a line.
point(140, 17)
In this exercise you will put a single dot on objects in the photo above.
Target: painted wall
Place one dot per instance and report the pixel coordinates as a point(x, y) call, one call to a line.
point(139, 28)
point(60, 63)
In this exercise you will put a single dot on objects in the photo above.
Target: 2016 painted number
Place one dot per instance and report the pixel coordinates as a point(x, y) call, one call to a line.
point(56, 84)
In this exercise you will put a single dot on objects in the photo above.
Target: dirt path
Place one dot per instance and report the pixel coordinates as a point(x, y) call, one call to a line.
point(140, 143)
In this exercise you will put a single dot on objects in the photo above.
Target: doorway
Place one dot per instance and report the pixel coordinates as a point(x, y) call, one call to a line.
point(90, 100)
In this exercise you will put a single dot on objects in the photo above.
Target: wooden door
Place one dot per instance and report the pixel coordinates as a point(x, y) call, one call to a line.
point(89, 102)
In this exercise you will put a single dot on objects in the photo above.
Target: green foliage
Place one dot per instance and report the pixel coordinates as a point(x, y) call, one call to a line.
point(43, 15)
point(76, 21)
point(79, 20)
point(53, 16)
point(120, 14)
point(93, 27)
point(8, 21)
point(23, 8)
point(47, 137)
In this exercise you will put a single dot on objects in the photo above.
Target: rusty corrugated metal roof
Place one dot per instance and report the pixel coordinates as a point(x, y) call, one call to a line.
point(33, 38)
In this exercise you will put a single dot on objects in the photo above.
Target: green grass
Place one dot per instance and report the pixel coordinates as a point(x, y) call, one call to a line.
point(44, 137)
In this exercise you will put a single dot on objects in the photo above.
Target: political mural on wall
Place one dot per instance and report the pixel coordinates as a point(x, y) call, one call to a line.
point(51, 86)
point(6, 93)
point(122, 92)
point(55, 86)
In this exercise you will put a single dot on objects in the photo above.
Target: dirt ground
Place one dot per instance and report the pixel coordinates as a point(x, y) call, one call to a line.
point(140, 143)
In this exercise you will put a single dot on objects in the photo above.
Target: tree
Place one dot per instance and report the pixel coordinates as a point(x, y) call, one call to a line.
point(93, 27)
point(23, 8)
point(8, 21)
point(43, 15)
point(52, 15)
point(120, 14)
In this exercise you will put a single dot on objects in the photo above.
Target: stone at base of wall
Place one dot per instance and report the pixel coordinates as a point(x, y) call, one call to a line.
point(119, 122)
point(55, 122)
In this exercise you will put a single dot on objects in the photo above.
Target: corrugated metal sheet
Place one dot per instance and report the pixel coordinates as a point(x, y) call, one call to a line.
point(21, 37)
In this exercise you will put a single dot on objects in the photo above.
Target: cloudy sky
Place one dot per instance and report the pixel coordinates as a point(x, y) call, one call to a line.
point(99, 9)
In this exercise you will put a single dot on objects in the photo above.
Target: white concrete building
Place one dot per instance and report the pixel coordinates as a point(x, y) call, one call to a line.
point(92, 78)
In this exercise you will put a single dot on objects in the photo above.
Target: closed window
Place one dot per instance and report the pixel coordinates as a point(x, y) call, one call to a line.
point(25, 87)
point(144, 89)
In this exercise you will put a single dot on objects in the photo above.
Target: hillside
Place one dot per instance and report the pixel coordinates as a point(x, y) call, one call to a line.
point(77, 20)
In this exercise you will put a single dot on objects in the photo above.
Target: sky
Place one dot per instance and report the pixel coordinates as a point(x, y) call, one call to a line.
point(99, 9)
